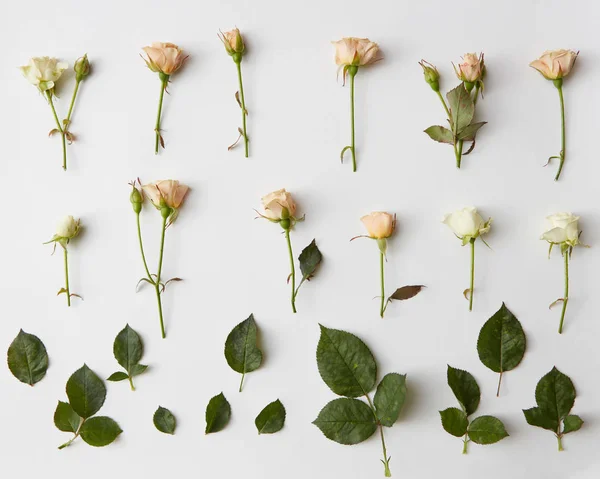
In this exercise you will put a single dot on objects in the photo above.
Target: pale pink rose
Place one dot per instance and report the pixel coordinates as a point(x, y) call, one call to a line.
point(379, 224)
point(555, 64)
point(164, 58)
point(276, 203)
point(471, 69)
point(351, 51)
point(171, 192)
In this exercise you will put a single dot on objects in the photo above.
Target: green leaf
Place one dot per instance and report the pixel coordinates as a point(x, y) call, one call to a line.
point(461, 108)
point(572, 423)
point(440, 134)
point(389, 398)
point(65, 419)
point(454, 421)
point(128, 348)
point(406, 292)
point(218, 413)
point(27, 358)
point(465, 389)
point(345, 363)
point(86, 392)
point(100, 431)
point(501, 343)
point(164, 420)
point(241, 352)
point(118, 376)
point(536, 417)
point(555, 394)
point(346, 421)
point(309, 259)
point(271, 418)
point(487, 430)
point(138, 369)
point(468, 133)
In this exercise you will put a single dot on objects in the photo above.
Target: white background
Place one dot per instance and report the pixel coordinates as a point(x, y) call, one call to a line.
point(234, 265)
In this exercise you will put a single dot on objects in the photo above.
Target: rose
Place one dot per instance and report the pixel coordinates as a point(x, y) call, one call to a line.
point(351, 51)
point(234, 43)
point(555, 64)
point(67, 228)
point(278, 205)
point(82, 67)
point(563, 228)
point(471, 69)
point(431, 74)
point(467, 224)
point(379, 224)
point(43, 72)
point(165, 58)
point(168, 193)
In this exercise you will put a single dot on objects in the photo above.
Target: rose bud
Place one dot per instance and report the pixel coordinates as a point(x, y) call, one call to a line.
point(380, 225)
point(467, 224)
point(164, 58)
point(137, 199)
point(471, 69)
point(432, 76)
point(43, 72)
point(67, 228)
point(234, 44)
point(563, 228)
point(279, 207)
point(555, 64)
point(82, 68)
point(355, 52)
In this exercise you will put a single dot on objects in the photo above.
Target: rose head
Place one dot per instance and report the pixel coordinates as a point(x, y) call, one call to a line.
point(278, 205)
point(555, 64)
point(471, 69)
point(43, 72)
point(168, 193)
point(165, 58)
point(563, 228)
point(351, 51)
point(379, 225)
point(431, 74)
point(233, 42)
point(82, 67)
point(467, 224)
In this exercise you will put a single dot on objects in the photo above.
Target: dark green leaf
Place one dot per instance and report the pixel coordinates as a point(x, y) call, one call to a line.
point(555, 394)
point(65, 418)
point(536, 417)
point(346, 421)
point(128, 348)
point(389, 398)
point(271, 418)
point(218, 413)
point(86, 392)
point(461, 108)
point(465, 389)
point(164, 420)
point(454, 421)
point(572, 423)
point(487, 430)
point(440, 134)
point(138, 369)
point(100, 431)
point(406, 292)
point(27, 358)
point(118, 376)
point(241, 352)
point(309, 259)
point(468, 133)
point(345, 363)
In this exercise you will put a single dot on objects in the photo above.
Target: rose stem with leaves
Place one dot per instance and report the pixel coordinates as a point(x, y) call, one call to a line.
point(164, 80)
point(558, 84)
point(566, 295)
point(59, 127)
point(238, 64)
point(68, 443)
point(386, 459)
point(67, 290)
point(293, 268)
point(165, 212)
point(472, 274)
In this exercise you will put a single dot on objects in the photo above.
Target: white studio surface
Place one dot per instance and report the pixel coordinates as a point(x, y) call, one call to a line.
point(234, 265)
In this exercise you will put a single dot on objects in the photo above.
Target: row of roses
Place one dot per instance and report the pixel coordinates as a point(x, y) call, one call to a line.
point(351, 54)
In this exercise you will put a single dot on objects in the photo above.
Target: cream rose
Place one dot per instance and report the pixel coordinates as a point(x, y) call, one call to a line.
point(43, 72)
point(467, 223)
point(555, 64)
point(67, 228)
point(471, 69)
point(277, 204)
point(166, 193)
point(164, 58)
point(379, 224)
point(351, 51)
point(233, 41)
point(563, 228)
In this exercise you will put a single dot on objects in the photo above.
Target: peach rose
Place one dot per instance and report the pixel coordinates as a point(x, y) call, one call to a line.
point(279, 205)
point(351, 51)
point(166, 193)
point(379, 224)
point(233, 41)
point(164, 58)
point(555, 64)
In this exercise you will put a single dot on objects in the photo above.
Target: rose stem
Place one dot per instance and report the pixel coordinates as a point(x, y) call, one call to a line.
point(157, 283)
point(566, 295)
point(386, 459)
point(563, 137)
point(243, 102)
point(450, 120)
point(381, 265)
point(68, 291)
point(472, 273)
point(352, 71)
point(164, 79)
point(293, 273)
point(60, 128)
point(139, 231)
point(75, 90)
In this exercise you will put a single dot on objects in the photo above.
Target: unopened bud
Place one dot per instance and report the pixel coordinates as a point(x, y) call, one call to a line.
point(136, 199)
point(432, 76)
point(82, 68)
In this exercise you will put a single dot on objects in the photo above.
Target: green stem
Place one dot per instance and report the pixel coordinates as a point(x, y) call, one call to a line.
point(60, 128)
point(139, 232)
point(562, 136)
point(566, 295)
point(67, 277)
point(472, 274)
point(560, 446)
point(499, 383)
point(243, 102)
point(352, 148)
point(443, 103)
point(157, 283)
point(386, 459)
point(76, 89)
point(465, 442)
point(293, 269)
point(68, 443)
point(164, 79)
point(458, 153)
point(381, 274)
point(242, 382)
point(131, 383)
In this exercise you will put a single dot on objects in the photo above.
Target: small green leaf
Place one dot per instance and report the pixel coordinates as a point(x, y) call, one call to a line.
point(100, 431)
point(218, 413)
point(555, 394)
point(465, 389)
point(128, 348)
point(27, 358)
point(468, 132)
point(164, 420)
point(118, 376)
point(309, 259)
point(536, 417)
point(406, 292)
point(454, 421)
point(270, 420)
point(572, 423)
point(346, 421)
point(389, 398)
point(440, 134)
point(487, 430)
point(65, 419)
point(345, 363)
point(86, 392)
point(461, 108)
point(138, 369)
point(241, 351)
